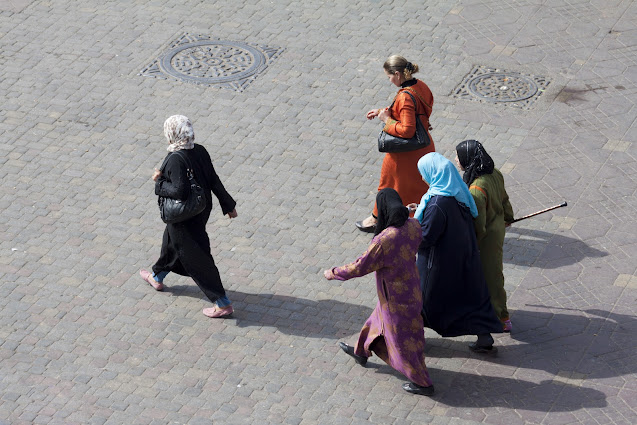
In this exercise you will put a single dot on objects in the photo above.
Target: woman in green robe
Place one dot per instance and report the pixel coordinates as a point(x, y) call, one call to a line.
point(486, 184)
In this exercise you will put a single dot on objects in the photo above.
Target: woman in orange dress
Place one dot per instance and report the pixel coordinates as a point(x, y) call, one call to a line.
point(400, 170)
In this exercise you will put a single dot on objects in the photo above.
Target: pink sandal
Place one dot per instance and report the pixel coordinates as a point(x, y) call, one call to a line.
point(507, 326)
point(148, 277)
point(218, 312)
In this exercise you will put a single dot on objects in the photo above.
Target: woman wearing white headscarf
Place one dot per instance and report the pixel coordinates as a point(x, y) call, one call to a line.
point(185, 248)
point(455, 295)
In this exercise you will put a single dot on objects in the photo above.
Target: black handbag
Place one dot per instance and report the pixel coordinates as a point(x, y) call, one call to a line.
point(392, 144)
point(177, 210)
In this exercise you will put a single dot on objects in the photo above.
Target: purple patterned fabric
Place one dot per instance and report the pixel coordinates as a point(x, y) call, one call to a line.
point(394, 331)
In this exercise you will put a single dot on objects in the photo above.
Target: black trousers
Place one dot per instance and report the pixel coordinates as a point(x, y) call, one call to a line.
point(185, 250)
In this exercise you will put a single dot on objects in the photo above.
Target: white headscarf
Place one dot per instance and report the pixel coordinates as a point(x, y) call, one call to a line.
point(179, 133)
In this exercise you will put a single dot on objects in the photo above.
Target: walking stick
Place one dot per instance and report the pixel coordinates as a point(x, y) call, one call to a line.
point(538, 212)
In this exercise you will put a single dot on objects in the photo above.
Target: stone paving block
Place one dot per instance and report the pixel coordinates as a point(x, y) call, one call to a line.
point(626, 281)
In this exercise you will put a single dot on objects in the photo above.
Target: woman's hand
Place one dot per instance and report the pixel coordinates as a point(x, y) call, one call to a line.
point(373, 114)
point(233, 213)
point(329, 275)
point(384, 115)
point(156, 174)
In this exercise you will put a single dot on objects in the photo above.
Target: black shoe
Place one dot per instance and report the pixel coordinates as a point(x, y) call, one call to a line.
point(490, 349)
point(349, 350)
point(368, 229)
point(410, 387)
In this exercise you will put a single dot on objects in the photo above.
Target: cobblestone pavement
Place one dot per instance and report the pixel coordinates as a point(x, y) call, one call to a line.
point(84, 341)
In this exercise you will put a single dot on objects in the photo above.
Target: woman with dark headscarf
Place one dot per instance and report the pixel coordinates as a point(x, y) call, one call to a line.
point(185, 247)
point(486, 185)
point(455, 296)
point(394, 331)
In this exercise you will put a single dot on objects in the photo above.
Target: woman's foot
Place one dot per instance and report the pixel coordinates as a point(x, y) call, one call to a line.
point(349, 350)
point(483, 345)
point(368, 225)
point(217, 312)
point(412, 388)
point(482, 349)
point(148, 277)
point(507, 325)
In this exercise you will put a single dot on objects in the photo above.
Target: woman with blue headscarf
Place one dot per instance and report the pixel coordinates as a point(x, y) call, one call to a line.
point(455, 295)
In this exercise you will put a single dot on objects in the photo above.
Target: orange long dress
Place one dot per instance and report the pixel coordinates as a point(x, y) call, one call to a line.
point(400, 170)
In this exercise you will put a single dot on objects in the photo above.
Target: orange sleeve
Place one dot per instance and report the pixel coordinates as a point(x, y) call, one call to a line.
point(403, 117)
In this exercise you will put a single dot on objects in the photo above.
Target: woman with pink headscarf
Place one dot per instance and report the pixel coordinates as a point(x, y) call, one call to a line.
point(185, 247)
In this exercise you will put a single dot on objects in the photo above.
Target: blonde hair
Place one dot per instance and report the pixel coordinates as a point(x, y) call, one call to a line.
point(400, 64)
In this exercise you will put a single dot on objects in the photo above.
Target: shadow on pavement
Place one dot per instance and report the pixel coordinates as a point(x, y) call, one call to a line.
point(290, 315)
point(577, 347)
point(544, 249)
point(554, 343)
point(191, 291)
point(459, 389)
point(298, 316)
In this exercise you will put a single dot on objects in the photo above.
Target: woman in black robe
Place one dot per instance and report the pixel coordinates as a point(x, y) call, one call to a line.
point(455, 295)
point(185, 248)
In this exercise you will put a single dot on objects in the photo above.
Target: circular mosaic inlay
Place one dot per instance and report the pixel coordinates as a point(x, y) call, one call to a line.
point(212, 61)
point(502, 87)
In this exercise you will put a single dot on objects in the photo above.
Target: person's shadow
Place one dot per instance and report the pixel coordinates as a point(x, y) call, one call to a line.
point(527, 247)
point(462, 390)
point(574, 348)
point(290, 315)
point(333, 319)
point(549, 365)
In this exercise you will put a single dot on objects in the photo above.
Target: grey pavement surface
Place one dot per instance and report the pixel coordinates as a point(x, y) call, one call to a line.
point(84, 341)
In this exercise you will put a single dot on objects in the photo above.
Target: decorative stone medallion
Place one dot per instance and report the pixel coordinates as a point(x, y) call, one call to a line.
point(499, 86)
point(204, 60)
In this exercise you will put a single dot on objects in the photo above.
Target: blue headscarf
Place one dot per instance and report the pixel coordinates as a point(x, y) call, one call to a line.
point(443, 179)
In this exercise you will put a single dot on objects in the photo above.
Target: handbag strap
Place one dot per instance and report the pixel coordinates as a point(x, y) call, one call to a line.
point(413, 99)
point(163, 164)
point(189, 170)
point(409, 92)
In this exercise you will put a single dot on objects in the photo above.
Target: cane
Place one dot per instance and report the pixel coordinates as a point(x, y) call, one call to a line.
point(538, 212)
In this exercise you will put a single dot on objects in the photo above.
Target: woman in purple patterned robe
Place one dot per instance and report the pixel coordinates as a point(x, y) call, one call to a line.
point(394, 331)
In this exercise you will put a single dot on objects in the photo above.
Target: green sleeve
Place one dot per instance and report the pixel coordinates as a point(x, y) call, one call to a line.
point(508, 209)
point(480, 222)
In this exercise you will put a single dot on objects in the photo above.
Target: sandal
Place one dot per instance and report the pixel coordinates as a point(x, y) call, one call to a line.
point(148, 277)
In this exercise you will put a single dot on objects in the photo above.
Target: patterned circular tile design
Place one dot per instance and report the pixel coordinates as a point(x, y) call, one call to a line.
point(212, 61)
point(502, 87)
point(498, 86)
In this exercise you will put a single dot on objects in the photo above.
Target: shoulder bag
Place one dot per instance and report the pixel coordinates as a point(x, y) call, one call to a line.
point(177, 210)
point(392, 144)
